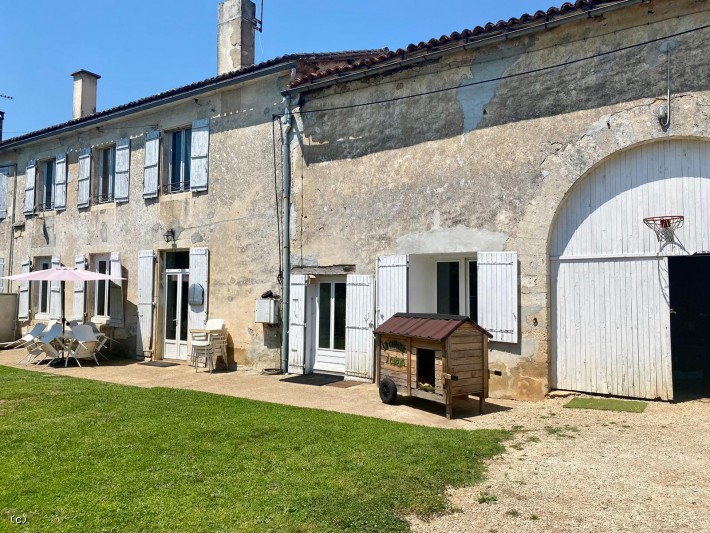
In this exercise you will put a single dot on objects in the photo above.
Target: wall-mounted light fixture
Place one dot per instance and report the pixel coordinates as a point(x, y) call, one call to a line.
point(169, 235)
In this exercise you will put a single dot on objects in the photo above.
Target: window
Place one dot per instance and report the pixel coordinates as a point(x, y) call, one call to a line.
point(105, 175)
point(179, 163)
point(457, 288)
point(45, 179)
point(102, 294)
point(43, 297)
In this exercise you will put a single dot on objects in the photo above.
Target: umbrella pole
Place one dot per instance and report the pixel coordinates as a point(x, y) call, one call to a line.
point(64, 304)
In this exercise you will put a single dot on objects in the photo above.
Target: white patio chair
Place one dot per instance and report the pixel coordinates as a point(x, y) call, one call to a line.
point(103, 339)
point(26, 339)
point(83, 350)
point(43, 346)
point(216, 326)
point(202, 348)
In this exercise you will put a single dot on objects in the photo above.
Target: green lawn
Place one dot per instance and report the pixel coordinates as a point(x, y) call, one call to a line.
point(80, 455)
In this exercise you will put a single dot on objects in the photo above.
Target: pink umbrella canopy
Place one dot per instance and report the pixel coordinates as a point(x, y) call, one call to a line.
point(61, 274)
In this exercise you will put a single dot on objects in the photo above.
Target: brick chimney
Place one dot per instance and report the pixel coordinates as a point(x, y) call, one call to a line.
point(84, 93)
point(235, 35)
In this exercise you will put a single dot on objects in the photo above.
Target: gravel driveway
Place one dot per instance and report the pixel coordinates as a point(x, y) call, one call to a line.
point(592, 471)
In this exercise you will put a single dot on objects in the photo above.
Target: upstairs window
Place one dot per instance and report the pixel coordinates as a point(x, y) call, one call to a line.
point(179, 162)
point(45, 180)
point(105, 175)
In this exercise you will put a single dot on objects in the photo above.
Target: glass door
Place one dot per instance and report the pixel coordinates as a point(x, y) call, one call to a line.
point(175, 327)
point(330, 320)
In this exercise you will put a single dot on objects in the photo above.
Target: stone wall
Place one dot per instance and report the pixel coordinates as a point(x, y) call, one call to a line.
point(485, 165)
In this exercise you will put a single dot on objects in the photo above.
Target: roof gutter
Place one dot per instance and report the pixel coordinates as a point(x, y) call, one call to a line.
point(469, 43)
point(155, 103)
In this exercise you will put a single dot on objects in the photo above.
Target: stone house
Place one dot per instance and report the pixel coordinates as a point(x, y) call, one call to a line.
point(505, 173)
point(174, 191)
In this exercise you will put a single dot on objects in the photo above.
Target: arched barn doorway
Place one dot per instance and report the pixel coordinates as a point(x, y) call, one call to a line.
point(630, 315)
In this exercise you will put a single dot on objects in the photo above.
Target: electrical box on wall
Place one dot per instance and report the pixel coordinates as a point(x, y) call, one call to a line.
point(267, 311)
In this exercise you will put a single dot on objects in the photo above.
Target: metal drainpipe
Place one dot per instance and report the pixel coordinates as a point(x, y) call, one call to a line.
point(286, 274)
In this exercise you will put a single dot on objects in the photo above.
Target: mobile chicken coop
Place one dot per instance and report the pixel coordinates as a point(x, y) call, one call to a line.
point(436, 357)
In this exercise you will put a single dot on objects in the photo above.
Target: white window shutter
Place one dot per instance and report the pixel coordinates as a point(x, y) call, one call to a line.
point(122, 169)
point(297, 325)
point(30, 179)
point(79, 291)
point(2, 273)
point(84, 179)
point(60, 182)
point(392, 286)
point(199, 274)
point(55, 293)
point(4, 175)
point(150, 164)
point(115, 292)
point(199, 155)
point(498, 294)
point(146, 259)
point(23, 308)
point(359, 323)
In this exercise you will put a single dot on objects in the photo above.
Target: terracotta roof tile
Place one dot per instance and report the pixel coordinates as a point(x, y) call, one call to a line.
point(491, 27)
point(348, 55)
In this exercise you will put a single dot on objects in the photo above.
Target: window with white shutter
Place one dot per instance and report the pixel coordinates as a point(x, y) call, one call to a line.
point(55, 289)
point(146, 260)
point(122, 170)
point(359, 323)
point(498, 294)
point(4, 175)
point(200, 155)
point(60, 182)
point(116, 292)
point(84, 179)
point(2, 273)
point(23, 308)
point(150, 165)
point(297, 325)
point(79, 303)
point(392, 286)
point(30, 181)
point(199, 275)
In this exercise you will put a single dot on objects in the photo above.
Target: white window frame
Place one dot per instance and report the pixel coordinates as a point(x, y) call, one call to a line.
point(43, 263)
point(101, 196)
point(101, 319)
point(464, 281)
point(41, 187)
point(185, 161)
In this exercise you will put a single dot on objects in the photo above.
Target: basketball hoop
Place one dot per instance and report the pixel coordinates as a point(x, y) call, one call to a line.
point(665, 226)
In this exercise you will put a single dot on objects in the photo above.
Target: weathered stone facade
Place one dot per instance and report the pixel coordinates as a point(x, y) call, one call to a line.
point(485, 166)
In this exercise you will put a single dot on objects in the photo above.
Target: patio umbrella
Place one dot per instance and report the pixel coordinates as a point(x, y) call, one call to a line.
point(62, 274)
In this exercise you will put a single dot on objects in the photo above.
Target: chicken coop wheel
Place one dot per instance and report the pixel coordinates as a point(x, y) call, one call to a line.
point(388, 391)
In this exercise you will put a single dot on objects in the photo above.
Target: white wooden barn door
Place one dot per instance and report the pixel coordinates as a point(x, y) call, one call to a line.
point(611, 323)
point(610, 313)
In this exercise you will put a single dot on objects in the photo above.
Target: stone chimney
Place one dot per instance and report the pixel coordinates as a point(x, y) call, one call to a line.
point(84, 93)
point(235, 35)
point(2, 119)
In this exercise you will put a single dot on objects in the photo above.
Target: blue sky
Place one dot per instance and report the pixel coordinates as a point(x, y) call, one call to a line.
point(142, 47)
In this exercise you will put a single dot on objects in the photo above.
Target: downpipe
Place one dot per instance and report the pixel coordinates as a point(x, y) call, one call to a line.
point(286, 233)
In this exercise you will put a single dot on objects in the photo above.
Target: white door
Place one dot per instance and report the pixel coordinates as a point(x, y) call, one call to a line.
point(175, 328)
point(330, 326)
